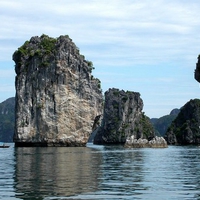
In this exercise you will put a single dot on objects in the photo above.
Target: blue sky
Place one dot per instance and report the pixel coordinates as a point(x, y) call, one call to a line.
point(144, 46)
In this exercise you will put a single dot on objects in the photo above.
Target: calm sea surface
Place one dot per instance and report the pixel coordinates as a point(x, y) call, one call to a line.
point(99, 172)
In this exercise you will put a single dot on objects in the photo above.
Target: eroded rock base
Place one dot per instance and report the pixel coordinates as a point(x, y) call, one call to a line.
point(40, 144)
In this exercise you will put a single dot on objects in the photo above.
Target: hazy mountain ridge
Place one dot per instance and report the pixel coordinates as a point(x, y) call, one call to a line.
point(7, 120)
point(161, 124)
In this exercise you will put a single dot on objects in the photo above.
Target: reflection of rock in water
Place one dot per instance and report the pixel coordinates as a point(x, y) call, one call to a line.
point(42, 172)
point(124, 167)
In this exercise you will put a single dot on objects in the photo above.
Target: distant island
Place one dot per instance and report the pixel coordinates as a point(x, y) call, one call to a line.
point(161, 124)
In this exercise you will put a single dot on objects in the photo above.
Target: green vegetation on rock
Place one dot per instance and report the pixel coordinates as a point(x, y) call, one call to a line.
point(39, 48)
point(48, 43)
point(47, 46)
point(185, 129)
point(147, 128)
point(43, 50)
point(90, 65)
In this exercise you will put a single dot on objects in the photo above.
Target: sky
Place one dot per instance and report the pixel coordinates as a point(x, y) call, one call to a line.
point(145, 46)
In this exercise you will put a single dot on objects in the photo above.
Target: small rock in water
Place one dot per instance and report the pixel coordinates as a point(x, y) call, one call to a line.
point(156, 142)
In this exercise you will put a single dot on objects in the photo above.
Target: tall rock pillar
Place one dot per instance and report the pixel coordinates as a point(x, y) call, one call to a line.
point(57, 98)
point(122, 118)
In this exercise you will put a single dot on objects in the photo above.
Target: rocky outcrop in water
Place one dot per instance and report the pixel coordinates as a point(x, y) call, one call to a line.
point(122, 118)
point(197, 70)
point(185, 129)
point(156, 142)
point(57, 98)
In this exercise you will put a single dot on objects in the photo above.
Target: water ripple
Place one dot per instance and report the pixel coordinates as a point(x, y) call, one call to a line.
point(99, 172)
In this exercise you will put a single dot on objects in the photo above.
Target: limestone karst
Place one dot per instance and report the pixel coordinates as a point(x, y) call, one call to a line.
point(60, 103)
point(57, 98)
point(185, 128)
point(122, 118)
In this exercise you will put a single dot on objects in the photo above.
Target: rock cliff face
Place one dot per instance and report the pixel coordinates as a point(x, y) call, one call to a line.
point(197, 70)
point(185, 129)
point(123, 118)
point(57, 98)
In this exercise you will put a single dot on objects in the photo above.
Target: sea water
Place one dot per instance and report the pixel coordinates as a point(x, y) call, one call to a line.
point(99, 172)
